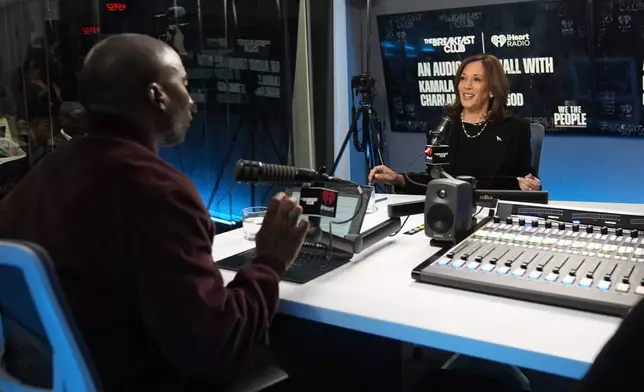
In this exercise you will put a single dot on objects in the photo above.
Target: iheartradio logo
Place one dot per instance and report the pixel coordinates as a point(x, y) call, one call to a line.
point(510, 40)
point(499, 40)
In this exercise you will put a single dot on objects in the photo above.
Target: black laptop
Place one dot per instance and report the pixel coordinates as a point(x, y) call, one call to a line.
point(316, 259)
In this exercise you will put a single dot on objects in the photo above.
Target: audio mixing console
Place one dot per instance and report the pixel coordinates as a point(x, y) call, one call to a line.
point(580, 259)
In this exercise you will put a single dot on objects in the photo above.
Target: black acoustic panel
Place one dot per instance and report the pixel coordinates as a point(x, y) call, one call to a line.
point(618, 65)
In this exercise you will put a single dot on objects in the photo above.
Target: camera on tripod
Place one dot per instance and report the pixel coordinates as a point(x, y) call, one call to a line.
point(364, 86)
point(363, 83)
point(365, 120)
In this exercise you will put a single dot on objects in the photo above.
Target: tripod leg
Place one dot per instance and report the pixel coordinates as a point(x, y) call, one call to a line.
point(352, 130)
point(367, 142)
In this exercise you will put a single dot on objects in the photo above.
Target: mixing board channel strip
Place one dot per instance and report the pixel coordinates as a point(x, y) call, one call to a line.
point(596, 269)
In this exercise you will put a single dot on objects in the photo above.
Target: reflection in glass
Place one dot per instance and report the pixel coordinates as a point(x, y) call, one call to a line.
point(239, 55)
point(27, 98)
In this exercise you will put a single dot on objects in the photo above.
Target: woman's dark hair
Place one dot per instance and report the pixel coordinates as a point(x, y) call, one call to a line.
point(497, 83)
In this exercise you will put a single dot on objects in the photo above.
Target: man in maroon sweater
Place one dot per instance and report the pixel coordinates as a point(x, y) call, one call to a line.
point(131, 240)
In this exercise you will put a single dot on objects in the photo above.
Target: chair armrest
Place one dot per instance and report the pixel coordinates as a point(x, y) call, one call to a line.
point(258, 380)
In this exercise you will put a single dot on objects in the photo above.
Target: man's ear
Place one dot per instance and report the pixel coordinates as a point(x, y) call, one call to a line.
point(157, 96)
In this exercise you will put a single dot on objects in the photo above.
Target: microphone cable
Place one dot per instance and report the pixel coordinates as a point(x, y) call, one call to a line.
point(478, 212)
point(401, 227)
point(406, 174)
point(358, 208)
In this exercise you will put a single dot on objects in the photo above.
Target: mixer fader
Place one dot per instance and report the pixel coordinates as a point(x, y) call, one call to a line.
point(588, 263)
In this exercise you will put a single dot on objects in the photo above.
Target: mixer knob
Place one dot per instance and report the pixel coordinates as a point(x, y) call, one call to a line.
point(521, 222)
point(634, 233)
point(604, 230)
point(562, 226)
point(548, 225)
point(589, 229)
point(535, 223)
point(508, 220)
point(497, 219)
point(619, 232)
point(575, 227)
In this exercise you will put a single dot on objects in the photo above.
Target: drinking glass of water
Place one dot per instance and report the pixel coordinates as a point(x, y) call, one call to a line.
point(253, 217)
point(371, 207)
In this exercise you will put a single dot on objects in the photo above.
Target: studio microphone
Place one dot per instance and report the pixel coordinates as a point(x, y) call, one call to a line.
point(436, 136)
point(268, 173)
point(173, 13)
point(437, 153)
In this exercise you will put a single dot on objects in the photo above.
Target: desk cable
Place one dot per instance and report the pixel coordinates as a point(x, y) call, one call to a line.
point(401, 227)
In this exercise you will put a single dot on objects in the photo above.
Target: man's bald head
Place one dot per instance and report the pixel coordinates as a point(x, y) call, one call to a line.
point(118, 69)
point(138, 78)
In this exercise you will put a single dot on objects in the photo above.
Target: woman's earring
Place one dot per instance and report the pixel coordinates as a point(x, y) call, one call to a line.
point(491, 95)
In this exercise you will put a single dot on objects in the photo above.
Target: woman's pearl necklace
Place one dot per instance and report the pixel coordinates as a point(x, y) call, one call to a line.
point(479, 123)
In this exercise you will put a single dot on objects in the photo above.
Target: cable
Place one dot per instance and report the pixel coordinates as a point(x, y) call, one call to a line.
point(358, 209)
point(401, 227)
point(329, 252)
point(478, 211)
point(407, 171)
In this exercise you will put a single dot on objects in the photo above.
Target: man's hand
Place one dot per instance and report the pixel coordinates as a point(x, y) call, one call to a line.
point(384, 175)
point(281, 235)
point(529, 183)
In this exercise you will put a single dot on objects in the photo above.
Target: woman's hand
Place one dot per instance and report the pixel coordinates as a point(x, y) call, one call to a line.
point(384, 175)
point(529, 183)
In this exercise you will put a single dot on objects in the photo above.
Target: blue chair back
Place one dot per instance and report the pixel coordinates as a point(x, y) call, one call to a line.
point(537, 133)
point(32, 303)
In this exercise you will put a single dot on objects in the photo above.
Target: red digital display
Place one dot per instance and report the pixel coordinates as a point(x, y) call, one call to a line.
point(90, 30)
point(116, 7)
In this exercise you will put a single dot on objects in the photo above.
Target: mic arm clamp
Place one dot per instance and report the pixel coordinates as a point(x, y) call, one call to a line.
point(437, 156)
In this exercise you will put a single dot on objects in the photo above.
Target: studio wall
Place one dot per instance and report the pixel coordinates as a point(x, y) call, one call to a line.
point(570, 165)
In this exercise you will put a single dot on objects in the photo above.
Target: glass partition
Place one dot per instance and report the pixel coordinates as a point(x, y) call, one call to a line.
point(240, 58)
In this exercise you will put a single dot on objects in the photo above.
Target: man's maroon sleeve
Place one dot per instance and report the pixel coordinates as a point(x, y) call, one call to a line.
point(201, 326)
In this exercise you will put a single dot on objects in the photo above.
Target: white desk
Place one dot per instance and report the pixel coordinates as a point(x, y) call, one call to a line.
point(375, 294)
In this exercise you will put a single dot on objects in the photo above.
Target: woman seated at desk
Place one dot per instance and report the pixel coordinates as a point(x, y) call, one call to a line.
point(485, 140)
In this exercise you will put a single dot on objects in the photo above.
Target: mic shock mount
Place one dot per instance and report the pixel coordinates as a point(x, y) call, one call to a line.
point(437, 152)
point(437, 157)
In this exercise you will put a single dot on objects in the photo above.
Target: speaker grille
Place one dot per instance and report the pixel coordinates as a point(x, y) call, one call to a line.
point(440, 218)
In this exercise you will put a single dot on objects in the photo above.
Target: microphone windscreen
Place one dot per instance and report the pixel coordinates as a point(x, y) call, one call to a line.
point(253, 171)
point(177, 12)
point(246, 170)
point(445, 122)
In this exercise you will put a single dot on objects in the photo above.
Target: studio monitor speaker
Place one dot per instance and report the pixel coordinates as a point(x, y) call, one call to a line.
point(449, 208)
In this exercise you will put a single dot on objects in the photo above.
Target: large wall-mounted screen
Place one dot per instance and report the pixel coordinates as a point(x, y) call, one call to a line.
point(570, 67)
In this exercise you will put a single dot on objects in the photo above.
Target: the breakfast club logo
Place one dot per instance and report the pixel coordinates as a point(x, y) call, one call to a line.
point(570, 115)
point(451, 44)
point(319, 201)
point(510, 40)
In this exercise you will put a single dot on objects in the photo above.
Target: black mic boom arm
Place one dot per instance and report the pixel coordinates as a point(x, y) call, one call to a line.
point(355, 244)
